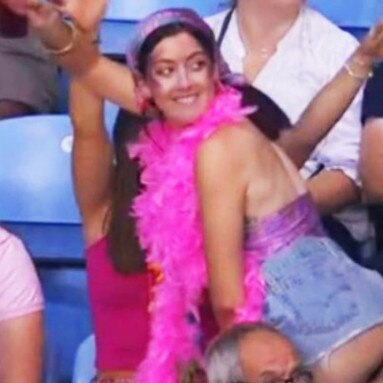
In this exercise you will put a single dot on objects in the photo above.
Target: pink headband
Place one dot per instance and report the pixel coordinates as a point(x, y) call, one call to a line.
point(167, 17)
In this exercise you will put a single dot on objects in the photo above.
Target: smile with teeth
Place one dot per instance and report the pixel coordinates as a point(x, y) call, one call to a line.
point(186, 99)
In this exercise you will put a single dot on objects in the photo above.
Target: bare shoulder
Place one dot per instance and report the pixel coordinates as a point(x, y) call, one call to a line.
point(230, 155)
point(230, 142)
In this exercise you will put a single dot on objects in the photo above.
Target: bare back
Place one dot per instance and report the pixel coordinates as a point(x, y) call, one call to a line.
point(273, 179)
point(240, 176)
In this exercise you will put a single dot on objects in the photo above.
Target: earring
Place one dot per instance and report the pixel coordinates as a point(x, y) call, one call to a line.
point(143, 105)
point(142, 101)
point(219, 87)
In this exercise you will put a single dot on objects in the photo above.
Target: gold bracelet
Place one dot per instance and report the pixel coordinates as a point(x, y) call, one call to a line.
point(74, 34)
point(355, 75)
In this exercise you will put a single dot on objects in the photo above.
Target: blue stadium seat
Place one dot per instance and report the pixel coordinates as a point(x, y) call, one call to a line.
point(351, 13)
point(37, 203)
point(36, 196)
point(84, 365)
point(136, 10)
point(122, 15)
point(114, 36)
point(111, 111)
point(35, 174)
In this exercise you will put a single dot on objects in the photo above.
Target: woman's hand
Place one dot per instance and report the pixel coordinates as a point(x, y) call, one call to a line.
point(17, 6)
point(87, 14)
point(41, 15)
point(371, 47)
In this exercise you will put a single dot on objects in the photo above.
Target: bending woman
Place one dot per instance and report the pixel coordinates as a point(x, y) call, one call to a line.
point(222, 207)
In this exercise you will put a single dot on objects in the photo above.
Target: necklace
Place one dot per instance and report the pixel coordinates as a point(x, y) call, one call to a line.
point(265, 52)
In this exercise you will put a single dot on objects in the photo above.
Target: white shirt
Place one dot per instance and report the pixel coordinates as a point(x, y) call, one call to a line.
point(307, 57)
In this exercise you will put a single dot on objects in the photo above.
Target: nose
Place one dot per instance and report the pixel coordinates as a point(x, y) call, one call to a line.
point(184, 78)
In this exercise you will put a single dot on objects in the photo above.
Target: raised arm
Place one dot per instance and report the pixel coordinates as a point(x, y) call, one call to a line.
point(92, 159)
point(333, 100)
point(371, 161)
point(371, 153)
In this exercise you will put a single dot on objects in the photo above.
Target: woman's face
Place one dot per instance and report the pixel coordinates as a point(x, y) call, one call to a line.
point(180, 79)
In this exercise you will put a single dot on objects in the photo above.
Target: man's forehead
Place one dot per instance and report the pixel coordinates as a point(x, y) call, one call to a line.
point(264, 350)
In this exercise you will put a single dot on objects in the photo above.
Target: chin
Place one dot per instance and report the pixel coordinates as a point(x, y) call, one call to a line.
point(191, 120)
point(185, 119)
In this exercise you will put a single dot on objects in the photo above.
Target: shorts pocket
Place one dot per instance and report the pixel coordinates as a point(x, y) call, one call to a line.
point(308, 291)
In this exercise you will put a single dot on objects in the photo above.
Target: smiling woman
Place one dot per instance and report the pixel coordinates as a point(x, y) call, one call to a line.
point(220, 206)
point(181, 81)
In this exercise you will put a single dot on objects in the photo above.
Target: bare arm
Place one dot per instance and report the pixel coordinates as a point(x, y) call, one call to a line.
point(320, 116)
point(21, 349)
point(92, 158)
point(332, 190)
point(332, 101)
point(222, 197)
point(109, 80)
point(371, 160)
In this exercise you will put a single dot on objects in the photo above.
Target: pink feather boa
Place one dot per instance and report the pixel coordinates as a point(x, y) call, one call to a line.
point(169, 230)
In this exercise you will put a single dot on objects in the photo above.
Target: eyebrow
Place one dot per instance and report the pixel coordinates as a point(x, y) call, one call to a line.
point(190, 57)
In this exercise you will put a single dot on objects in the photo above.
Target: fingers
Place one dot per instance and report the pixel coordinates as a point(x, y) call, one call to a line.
point(377, 30)
point(16, 6)
point(87, 14)
point(373, 42)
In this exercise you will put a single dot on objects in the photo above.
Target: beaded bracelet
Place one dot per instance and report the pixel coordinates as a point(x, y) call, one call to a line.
point(62, 51)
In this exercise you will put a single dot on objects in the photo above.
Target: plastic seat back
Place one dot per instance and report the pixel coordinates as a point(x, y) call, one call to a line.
point(35, 170)
point(124, 10)
point(84, 365)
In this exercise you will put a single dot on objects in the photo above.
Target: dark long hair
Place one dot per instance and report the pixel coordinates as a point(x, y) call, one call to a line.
point(124, 250)
point(123, 247)
point(269, 118)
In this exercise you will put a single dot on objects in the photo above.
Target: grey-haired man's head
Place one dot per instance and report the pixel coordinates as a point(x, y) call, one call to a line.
point(248, 352)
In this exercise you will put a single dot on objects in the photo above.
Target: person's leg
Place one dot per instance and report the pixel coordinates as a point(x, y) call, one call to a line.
point(13, 109)
point(358, 361)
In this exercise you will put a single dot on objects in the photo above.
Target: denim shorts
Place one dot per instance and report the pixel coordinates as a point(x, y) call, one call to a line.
point(318, 297)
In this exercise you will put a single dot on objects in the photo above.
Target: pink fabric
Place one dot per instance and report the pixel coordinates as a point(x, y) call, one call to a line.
point(20, 291)
point(119, 305)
